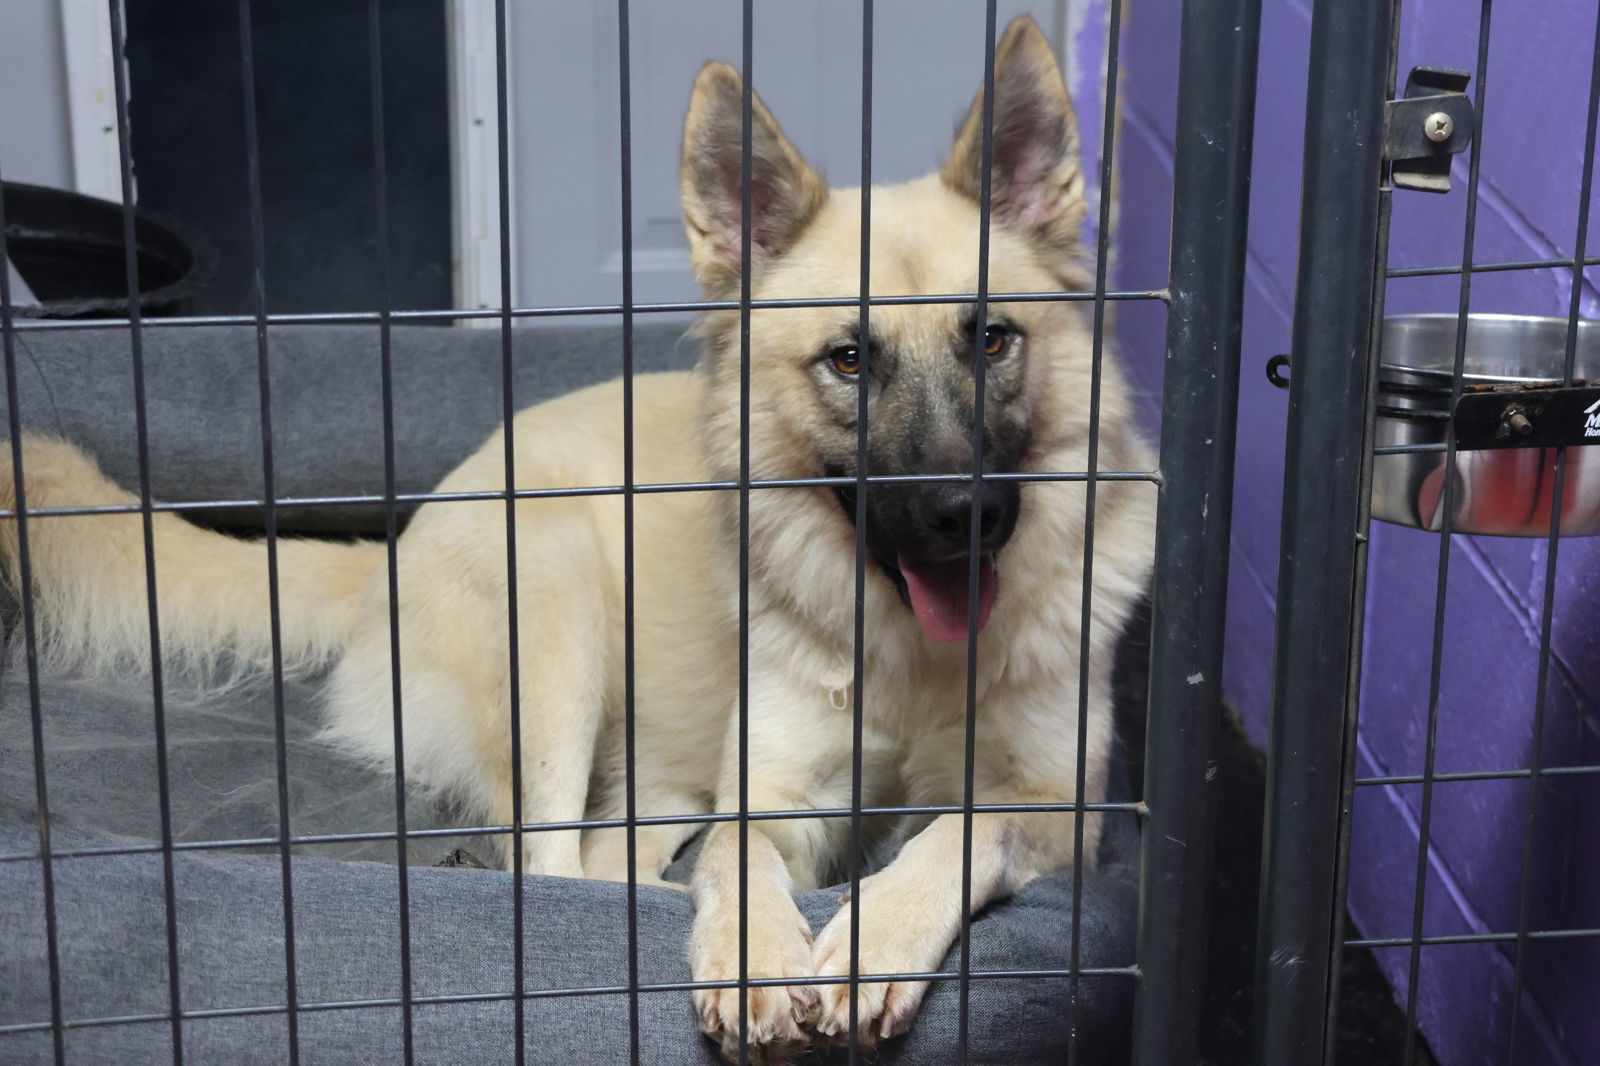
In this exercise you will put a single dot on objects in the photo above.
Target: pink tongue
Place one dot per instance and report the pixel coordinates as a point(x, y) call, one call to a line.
point(939, 596)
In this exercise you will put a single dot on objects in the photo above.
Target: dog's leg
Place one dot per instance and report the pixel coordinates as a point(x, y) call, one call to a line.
point(605, 851)
point(562, 690)
point(777, 943)
point(782, 854)
point(910, 911)
point(456, 711)
point(456, 665)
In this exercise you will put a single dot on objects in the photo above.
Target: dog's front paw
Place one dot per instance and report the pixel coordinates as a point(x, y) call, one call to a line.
point(897, 936)
point(777, 1016)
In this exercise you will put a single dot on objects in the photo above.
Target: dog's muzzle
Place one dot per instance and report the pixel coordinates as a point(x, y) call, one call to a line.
point(921, 535)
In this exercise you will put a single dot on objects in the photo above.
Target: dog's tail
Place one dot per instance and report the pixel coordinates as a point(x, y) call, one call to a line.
point(89, 578)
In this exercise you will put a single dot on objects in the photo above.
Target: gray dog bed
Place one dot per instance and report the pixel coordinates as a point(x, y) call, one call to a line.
point(101, 773)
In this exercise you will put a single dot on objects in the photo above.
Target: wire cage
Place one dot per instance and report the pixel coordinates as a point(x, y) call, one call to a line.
point(1204, 293)
point(1313, 777)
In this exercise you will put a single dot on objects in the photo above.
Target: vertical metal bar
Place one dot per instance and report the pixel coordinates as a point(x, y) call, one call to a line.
point(1547, 614)
point(863, 391)
point(1108, 128)
point(1217, 56)
point(391, 524)
point(1357, 635)
point(975, 546)
point(258, 272)
point(746, 133)
point(1317, 595)
point(508, 417)
point(625, 180)
point(130, 249)
point(1442, 580)
point(30, 637)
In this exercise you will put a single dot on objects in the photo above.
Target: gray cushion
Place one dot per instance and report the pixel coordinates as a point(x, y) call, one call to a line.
point(100, 762)
point(204, 403)
point(112, 935)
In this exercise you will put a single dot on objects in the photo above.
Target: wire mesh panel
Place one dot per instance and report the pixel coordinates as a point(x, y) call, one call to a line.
point(1018, 180)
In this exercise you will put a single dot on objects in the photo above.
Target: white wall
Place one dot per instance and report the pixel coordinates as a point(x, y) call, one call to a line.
point(928, 64)
point(35, 136)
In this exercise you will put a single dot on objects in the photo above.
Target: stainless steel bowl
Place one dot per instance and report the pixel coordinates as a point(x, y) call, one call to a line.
point(1503, 491)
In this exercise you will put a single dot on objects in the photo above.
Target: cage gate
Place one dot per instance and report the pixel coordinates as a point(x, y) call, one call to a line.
point(1356, 407)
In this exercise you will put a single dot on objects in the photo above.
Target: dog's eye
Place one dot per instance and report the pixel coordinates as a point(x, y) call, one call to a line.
point(996, 339)
point(846, 359)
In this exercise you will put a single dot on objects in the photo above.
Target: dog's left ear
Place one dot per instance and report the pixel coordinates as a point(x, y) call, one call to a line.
point(1037, 174)
point(785, 192)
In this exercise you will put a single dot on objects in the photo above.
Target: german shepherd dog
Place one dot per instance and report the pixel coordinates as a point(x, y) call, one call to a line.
point(804, 375)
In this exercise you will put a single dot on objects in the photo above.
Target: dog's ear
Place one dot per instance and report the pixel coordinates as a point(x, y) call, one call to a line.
point(785, 192)
point(1037, 174)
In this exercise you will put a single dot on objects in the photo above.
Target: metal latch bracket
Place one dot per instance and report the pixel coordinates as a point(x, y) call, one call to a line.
point(1433, 122)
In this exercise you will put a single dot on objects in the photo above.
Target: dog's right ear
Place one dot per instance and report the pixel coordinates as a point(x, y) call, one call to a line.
point(785, 192)
point(1036, 173)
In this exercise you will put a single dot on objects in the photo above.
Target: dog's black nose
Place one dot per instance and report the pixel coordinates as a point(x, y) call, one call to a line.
point(948, 512)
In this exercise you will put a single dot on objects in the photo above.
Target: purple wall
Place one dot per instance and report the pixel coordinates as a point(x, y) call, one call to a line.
point(1533, 129)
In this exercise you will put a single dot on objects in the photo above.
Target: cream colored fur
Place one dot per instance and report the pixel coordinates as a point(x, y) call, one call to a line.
point(89, 580)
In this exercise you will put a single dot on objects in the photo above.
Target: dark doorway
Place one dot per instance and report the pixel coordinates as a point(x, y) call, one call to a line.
point(316, 147)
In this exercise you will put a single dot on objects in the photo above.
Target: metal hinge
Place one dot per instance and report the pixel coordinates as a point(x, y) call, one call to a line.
point(1433, 122)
